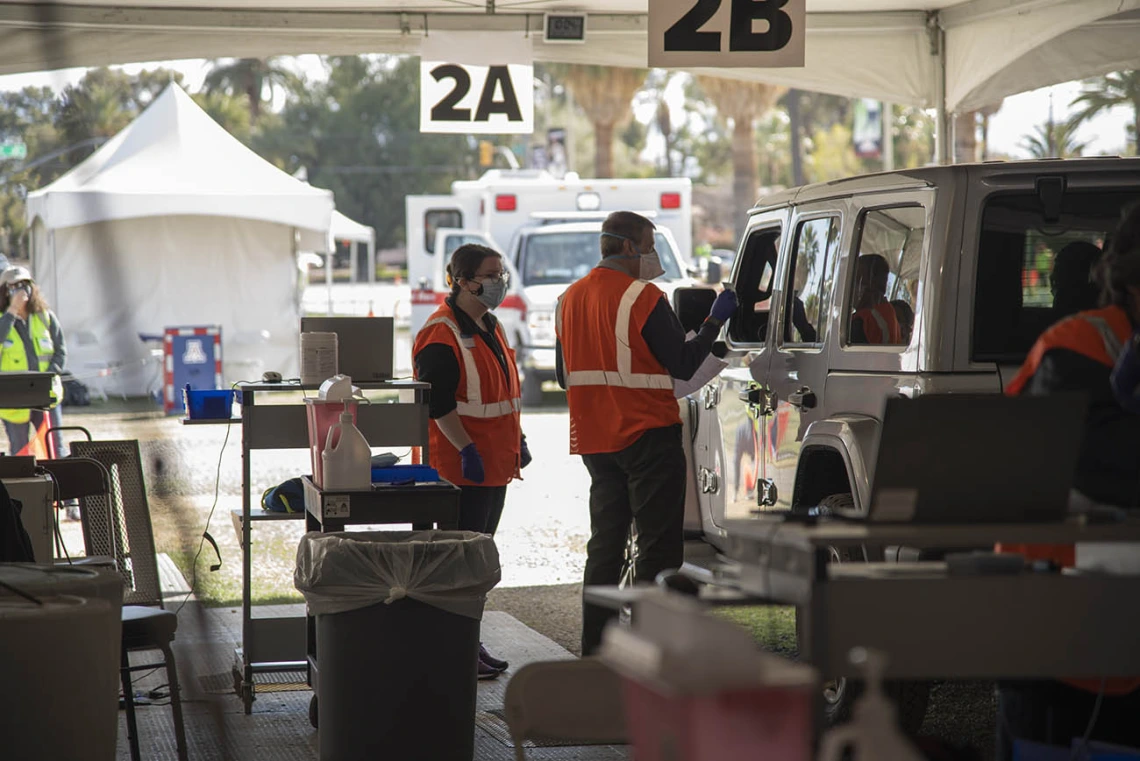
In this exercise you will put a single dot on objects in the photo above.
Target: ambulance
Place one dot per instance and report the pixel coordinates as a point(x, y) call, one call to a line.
point(493, 209)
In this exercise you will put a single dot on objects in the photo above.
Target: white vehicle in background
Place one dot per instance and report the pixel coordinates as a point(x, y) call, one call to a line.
point(492, 209)
point(546, 259)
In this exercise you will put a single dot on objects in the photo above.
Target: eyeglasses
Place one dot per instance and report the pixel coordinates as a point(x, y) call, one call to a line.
point(501, 277)
point(633, 244)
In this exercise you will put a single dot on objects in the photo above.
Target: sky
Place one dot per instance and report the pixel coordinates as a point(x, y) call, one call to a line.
point(1019, 114)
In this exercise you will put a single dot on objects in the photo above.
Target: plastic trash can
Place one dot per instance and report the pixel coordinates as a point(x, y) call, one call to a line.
point(60, 661)
point(397, 640)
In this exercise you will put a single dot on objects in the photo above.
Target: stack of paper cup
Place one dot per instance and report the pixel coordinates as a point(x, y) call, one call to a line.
point(318, 357)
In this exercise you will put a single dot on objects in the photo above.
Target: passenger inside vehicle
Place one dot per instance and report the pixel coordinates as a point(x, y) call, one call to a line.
point(874, 320)
point(1071, 281)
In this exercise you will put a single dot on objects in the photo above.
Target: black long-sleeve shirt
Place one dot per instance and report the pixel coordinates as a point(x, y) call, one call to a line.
point(665, 337)
point(438, 365)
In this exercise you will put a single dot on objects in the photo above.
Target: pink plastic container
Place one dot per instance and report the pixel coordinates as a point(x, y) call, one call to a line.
point(322, 416)
point(732, 725)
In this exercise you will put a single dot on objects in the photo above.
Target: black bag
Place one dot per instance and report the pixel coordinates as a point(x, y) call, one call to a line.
point(75, 394)
point(15, 543)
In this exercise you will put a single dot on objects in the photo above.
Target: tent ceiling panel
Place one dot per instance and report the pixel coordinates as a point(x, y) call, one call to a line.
point(870, 48)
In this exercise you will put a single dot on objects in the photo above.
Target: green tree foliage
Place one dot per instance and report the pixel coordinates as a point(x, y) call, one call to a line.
point(1107, 92)
point(357, 134)
point(252, 77)
point(1053, 140)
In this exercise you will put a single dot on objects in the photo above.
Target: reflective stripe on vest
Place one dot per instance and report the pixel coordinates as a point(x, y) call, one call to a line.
point(884, 329)
point(1112, 345)
point(624, 377)
point(474, 406)
point(14, 359)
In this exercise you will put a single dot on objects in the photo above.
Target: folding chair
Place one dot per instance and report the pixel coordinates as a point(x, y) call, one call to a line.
point(118, 524)
point(565, 700)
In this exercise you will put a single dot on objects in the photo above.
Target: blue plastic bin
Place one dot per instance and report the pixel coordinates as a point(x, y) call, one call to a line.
point(208, 404)
point(398, 474)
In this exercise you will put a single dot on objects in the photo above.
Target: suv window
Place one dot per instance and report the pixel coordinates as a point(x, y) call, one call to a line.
point(754, 285)
point(884, 280)
point(805, 312)
point(434, 219)
point(1032, 272)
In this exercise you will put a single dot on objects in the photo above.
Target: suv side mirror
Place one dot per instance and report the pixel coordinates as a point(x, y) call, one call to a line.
point(692, 306)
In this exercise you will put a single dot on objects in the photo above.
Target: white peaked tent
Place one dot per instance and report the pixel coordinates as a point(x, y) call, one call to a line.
point(949, 55)
point(173, 222)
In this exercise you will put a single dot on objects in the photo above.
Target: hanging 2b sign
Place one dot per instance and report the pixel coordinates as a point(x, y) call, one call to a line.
point(476, 84)
point(726, 33)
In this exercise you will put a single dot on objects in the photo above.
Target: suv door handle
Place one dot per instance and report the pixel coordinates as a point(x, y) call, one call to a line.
point(805, 398)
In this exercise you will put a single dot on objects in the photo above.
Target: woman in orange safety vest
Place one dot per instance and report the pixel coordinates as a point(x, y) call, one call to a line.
point(474, 432)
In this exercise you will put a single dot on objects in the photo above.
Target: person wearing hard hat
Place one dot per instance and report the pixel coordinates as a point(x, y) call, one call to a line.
point(32, 341)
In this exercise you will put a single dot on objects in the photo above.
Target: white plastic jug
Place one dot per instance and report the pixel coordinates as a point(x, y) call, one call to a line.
point(346, 461)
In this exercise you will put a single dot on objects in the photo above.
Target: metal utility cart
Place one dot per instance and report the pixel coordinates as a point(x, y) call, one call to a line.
point(424, 505)
point(274, 639)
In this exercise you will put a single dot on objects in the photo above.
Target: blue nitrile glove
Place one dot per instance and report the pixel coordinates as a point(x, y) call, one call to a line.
point(724, 306)
point(524, 453)
point(472, 464)
point(1126, 376)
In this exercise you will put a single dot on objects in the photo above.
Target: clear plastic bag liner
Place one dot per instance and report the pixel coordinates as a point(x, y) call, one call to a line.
point(343, 571)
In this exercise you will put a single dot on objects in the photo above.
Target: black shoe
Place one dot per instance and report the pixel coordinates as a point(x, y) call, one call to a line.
point(495, 663)
point(486, 672)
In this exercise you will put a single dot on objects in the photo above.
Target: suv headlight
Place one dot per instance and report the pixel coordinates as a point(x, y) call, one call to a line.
point(540, 323)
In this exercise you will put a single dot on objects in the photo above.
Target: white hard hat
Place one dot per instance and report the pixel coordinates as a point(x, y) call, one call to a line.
point(15, 275)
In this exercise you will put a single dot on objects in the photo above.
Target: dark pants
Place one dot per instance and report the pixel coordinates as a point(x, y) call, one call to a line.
point(1054, 713)
point(643, 484)
point(480, 508)
point(20, 433)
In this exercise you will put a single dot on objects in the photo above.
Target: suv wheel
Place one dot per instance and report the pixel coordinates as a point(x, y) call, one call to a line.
point(839, 695)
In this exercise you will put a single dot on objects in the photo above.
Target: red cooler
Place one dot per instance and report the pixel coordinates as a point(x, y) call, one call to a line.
point(323, 416)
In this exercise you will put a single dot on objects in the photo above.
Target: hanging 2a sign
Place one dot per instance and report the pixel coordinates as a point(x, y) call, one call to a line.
point(476, 84)
point(726, 33)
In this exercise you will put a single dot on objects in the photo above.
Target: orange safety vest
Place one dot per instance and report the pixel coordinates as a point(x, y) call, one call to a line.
point(880, 324)
point(1099, 334)
point(615, 388)
point(487, 402)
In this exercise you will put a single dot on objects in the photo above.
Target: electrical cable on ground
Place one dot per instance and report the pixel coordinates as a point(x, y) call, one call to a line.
point(206, 531)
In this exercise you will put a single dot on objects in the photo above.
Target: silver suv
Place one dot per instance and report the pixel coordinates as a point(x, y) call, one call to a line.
point(964, 254)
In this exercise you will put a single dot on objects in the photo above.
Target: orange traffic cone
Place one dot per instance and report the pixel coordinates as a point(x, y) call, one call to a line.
point(37, 445)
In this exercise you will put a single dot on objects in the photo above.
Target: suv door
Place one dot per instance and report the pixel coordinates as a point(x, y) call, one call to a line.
point(797, 371)
point(730, 446)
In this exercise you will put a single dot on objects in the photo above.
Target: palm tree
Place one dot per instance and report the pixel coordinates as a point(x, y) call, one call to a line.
point(1110, 91)
point(604, 93)
point(251, 76)
point(742, 103)
point(1053, 140)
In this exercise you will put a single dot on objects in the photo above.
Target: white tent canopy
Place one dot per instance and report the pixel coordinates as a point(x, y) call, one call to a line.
point(352, 232)
point(343, 228)
point(174, 223)
point(953, 55)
